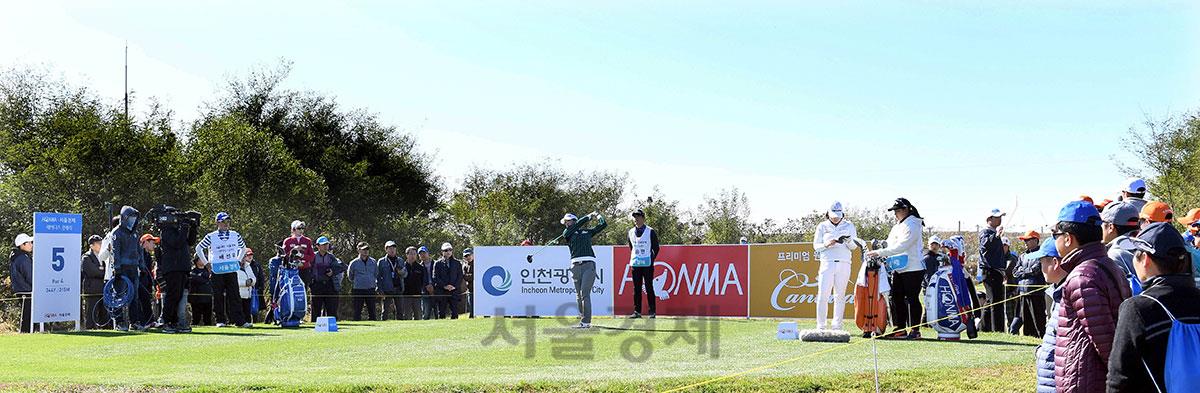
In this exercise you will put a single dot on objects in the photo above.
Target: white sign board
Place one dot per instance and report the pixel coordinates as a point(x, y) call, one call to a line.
point(56, 260)
point(506, 284)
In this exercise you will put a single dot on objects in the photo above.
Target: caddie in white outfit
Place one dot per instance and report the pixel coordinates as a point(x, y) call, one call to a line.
point(834, 240)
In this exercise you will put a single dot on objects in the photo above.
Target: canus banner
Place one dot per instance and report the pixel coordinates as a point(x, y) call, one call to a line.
point(783, 280)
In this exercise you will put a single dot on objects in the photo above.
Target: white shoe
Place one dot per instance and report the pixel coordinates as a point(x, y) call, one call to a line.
point(582, 325)
point(221, 325)
point(247, 325)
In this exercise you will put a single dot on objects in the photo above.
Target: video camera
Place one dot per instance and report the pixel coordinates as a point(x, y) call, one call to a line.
point(163, 217)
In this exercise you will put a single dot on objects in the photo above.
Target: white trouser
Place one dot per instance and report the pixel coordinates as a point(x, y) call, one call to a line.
point(832, 279)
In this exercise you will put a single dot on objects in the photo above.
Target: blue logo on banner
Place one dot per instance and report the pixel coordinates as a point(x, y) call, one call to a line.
point(505, 281)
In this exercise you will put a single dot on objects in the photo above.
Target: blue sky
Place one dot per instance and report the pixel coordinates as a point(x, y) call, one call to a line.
point(960, 107)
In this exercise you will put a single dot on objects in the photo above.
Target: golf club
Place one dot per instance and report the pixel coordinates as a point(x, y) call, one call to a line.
point(529, 258)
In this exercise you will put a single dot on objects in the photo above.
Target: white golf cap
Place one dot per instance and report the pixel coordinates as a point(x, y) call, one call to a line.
point(389, 243)
point(1135, 185)
point(995, 213)
point(297, 224)
point(935, 239)
point(22, 239)
point(567, 217)
point(835, 210)
point(447, 246)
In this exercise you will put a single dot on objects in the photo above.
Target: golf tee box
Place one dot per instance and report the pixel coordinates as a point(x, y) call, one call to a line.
point(787, 331)
point(326, 324)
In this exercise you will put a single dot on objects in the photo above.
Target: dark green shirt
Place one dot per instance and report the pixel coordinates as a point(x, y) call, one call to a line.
point(579, 239)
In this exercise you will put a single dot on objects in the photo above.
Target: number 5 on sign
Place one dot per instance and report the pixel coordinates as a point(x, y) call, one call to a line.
point(57, 239)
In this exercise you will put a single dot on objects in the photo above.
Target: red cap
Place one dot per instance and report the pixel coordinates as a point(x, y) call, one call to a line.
point(1087, 198)
point(150, 238)
point(1192, 217)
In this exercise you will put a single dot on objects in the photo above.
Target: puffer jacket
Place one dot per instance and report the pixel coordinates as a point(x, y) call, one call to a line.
point(1091, 299)
point(1045, 351)
point(127, 252)
point(905, 239)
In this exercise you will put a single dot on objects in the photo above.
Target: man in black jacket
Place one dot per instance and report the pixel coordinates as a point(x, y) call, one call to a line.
point(1144, 323)
point(176, 238)
point(447, 274)
point(411, 304)
point(993, 260)
point(20, 264)
point(91, 272)
point(200, 293)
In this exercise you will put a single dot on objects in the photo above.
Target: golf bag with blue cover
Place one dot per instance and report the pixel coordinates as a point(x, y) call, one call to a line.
point(290, 296)
point(942, 304)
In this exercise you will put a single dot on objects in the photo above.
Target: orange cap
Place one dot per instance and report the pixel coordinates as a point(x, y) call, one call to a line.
point(1157, 212)
point(1087, 198)
point(150, 238)
point(1030, 235)
point(1100, 206)
point(1191, 217)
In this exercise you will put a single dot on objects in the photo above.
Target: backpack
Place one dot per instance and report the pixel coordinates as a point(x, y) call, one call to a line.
point(1183, 356)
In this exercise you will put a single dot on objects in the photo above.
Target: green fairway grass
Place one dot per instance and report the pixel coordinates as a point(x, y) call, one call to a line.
point(448, 355)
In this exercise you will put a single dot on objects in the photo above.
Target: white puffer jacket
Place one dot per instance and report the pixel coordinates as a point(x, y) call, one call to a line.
point(906, 238)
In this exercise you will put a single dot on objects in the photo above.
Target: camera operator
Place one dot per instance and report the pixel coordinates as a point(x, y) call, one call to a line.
point(177, 233)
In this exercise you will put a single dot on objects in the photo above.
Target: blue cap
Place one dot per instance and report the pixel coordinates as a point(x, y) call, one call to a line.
point(222, 216)
point(1081, 212)
point(423, 249)
point(1155, 239)
point(1047, 249)
point(322, 240)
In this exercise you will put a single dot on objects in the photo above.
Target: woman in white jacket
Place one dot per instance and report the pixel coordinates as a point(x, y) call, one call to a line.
point(905, 264)
point(833, 241)
point(246, 280)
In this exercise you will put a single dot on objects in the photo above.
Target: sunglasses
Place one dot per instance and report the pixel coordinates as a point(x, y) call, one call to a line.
point(1057, 234)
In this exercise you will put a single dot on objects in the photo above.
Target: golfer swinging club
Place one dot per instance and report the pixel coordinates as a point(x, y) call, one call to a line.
point(833, 242)
point(583, 261)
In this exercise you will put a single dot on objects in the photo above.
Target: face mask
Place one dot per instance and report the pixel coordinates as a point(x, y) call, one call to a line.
point(131, 222)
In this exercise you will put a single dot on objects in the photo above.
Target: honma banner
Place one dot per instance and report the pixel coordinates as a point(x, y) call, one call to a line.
point(688, 280)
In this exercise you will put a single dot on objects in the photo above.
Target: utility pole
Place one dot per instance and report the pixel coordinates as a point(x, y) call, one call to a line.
point(127, 81)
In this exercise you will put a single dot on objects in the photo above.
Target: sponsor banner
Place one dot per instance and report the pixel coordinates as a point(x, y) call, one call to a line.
point(56, 260)
point(506, 284)
point(688, 280)
point(783, 281)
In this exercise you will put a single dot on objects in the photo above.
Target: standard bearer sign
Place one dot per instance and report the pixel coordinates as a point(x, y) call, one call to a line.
point(56, 259)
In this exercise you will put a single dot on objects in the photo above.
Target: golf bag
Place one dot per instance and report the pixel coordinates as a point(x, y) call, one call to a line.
point(870, 306)
point(291, 299)
point(964, 296)
point(941, 303)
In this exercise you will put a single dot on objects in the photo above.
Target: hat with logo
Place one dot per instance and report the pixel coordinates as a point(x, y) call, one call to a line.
point(222, 217)
point(567, 217)
point(1157, 212)
point(322, 240)
point(835, 210)
point(389, 243)
point(297, 224)
point(995, 213)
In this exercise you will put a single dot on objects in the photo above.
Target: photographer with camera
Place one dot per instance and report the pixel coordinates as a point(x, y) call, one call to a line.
point(177, 233)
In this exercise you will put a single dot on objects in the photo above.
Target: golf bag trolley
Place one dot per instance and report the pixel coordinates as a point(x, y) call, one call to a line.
point(870, 306)
point(290, 299)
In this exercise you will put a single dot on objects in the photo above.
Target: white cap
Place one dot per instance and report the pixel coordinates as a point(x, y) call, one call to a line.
point(297, 224)
point(447, 246)
point(567, 217)
point(995, 213)
point(22, 239)
point(836, 210)
point(389, 244)
point(935, 239)
point(1135, 185)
